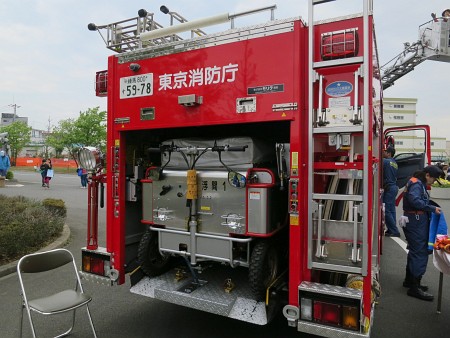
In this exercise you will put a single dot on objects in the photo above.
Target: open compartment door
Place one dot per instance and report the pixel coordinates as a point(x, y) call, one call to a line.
point(412, 149)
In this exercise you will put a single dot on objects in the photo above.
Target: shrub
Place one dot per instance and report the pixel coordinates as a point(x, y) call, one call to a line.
point(27, 225)
point(55, 205)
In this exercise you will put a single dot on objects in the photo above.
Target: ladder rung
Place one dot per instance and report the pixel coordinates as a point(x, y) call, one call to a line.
point(338, 197)
point(339, 62)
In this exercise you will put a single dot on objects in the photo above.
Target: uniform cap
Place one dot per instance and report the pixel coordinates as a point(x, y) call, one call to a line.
point(390, 150)
point(434, 171)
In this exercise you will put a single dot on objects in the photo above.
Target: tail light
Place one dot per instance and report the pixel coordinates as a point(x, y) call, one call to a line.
point(96, 263)
point(327, 313)
point(339, 44)
point(330, 311)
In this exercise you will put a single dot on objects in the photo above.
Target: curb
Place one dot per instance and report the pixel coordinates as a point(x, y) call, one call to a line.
point(10, 268)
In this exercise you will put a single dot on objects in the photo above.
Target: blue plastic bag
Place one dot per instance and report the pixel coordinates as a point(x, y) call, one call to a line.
point(438, 226)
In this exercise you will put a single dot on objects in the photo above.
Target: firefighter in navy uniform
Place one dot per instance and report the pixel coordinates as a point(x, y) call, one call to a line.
point(418, 209)
point(390, 169)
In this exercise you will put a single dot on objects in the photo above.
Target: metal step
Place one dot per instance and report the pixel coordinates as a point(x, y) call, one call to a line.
point(211, 297)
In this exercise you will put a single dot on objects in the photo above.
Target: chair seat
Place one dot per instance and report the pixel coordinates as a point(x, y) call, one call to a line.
point(59, 302)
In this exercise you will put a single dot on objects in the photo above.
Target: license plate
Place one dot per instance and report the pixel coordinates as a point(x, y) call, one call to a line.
point(136, 86)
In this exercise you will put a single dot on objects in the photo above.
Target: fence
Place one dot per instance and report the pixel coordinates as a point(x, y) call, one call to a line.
point(36, 162)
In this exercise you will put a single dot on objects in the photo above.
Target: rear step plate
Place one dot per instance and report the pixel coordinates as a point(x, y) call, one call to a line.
point(210, 297)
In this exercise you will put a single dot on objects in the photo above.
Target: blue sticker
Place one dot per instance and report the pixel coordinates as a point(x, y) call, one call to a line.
point(339, 88)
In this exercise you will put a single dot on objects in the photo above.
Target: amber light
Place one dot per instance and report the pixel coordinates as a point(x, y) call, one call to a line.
point(86, 263)
point(350, 317)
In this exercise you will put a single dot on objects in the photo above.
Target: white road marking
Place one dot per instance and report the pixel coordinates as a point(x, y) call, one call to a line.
point(400, 242)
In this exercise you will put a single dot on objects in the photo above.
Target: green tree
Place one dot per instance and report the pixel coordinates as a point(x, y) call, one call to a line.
point(19, 135)
point(62, 136)
point(89, 129)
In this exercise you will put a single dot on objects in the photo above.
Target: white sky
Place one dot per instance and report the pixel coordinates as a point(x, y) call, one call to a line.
point(48, 58)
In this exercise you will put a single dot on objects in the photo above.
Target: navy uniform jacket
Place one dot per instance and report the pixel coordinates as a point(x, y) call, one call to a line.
point(416, 197)
point(390, 169)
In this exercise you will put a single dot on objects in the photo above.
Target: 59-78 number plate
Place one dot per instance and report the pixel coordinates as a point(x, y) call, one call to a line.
point(136, 86)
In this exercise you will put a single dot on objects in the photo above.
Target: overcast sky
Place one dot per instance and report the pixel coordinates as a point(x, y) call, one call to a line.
point(48, 58)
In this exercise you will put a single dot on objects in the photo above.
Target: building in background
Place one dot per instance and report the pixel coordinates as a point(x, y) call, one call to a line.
point(400, 112)
point(8, 118)
point(36, 147)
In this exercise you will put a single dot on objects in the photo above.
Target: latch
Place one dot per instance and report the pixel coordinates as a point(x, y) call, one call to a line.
point(232, 220)
point(190, 100)
point(246, 105)
point(162, 214)
point(165, 190)
point(340, 141)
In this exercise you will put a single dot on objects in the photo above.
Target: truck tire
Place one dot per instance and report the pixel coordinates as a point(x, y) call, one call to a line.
point(263, 267)
point(152, 262)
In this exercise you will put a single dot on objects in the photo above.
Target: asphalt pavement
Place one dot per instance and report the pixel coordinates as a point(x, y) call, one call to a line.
point(118, 313)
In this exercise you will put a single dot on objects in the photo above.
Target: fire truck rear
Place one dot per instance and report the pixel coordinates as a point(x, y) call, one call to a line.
point(243, 168)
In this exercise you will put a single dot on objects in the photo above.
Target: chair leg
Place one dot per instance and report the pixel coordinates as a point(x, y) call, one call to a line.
point(90, 321)
point(73, 324)
point(69, 330)
point(31, 322)
point(21, 320)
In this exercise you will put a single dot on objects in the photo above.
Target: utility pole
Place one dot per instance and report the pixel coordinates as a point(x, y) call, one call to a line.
point(15, 106)
point(48, 133)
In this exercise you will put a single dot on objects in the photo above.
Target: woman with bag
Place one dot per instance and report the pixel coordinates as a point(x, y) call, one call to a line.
point(46, 172)
point(82, 173)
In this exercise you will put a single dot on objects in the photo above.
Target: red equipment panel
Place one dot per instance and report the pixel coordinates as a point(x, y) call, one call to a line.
point(236, 82)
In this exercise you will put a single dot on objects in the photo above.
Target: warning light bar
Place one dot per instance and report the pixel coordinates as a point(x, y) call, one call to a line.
point(339, 44)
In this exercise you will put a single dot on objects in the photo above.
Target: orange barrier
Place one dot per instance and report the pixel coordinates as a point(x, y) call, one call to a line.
point(34, 161)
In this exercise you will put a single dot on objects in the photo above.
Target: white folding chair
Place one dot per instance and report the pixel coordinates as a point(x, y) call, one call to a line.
point(53, 303)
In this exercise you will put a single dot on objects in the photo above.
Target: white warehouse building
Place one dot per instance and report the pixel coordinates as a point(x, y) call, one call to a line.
point(400, 112)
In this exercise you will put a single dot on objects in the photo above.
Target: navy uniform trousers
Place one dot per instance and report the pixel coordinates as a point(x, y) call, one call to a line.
point(416, 233)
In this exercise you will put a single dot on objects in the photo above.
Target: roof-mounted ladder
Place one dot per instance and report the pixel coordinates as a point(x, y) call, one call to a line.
point(143, 31)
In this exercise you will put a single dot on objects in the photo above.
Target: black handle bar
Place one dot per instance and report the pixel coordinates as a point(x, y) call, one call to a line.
point(236, 148)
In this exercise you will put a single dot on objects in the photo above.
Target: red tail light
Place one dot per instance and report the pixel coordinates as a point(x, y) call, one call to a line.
point(95, 263)
point(327, 313)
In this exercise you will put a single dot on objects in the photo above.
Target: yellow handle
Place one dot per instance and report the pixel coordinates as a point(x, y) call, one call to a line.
point(192, 190)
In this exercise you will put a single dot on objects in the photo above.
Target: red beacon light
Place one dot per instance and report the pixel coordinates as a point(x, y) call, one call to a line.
point(101, 83)
point(339, 44)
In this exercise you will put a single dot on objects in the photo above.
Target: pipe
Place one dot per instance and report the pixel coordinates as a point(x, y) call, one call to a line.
point(185, 26)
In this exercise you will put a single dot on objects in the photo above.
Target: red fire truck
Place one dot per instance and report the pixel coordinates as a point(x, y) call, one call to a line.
point(243, 168)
